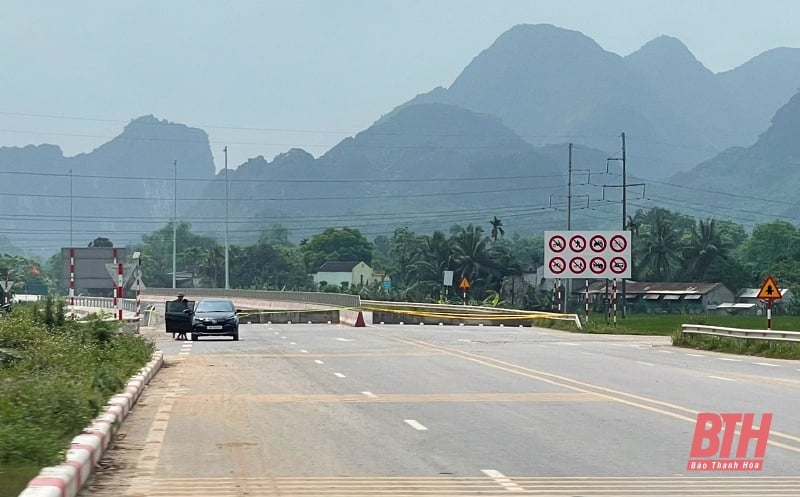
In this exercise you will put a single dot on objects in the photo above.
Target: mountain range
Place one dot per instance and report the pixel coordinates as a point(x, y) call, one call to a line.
point(493, 143)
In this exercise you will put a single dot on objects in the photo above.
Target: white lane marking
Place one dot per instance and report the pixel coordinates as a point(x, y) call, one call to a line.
point(587, 353)
point(696, 355)
point(729, 359)
point(318, 361)
point(666, 351)
point(645, 363)
point(303, 351)
point(292, 343)
point(283, 338)
point(277, 333)
point(338, 375)
point(369, 394)
point(344, 339)
point(767, 364)
point(566, 343)
point(183, 353)
point(463, 340)
point(502, 480)
point(415, 424)
point(721, 378)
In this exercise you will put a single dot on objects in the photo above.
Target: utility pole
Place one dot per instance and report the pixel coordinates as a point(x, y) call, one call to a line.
point(624, 187)
point(569, 220)
point(70, 209)
point(174, 224)
point(227, 267)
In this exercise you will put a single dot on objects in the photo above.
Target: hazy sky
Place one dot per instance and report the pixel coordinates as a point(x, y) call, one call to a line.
point(303, 73)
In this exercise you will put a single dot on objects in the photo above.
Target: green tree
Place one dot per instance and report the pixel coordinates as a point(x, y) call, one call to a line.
point(660, 246)
point(337, 244)
point(770, 242)
point(707, 244)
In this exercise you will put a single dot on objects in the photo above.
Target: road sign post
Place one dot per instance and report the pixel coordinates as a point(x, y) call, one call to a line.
point(769, 291)
point(464, 286)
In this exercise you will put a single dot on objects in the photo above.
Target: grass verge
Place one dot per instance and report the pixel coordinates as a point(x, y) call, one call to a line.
point(55, 377)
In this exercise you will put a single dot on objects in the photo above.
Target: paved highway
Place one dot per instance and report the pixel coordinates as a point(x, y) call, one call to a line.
point(429, 410)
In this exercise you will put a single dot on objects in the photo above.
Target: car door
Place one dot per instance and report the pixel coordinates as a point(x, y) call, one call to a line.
point(175, 319)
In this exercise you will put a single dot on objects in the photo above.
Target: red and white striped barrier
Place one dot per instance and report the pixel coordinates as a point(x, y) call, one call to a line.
point(86, 449)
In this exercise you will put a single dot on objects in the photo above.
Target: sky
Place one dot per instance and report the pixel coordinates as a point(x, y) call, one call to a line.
point(264, 76)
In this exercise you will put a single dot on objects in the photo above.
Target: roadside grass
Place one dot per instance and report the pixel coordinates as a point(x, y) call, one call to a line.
point(670, 325)
point(15, 479)
point(55, 377)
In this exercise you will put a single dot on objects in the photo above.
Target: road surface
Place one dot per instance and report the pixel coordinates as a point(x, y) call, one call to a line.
point(296, 409)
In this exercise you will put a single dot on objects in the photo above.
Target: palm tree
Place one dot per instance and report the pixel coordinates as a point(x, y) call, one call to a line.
point(706, 245)
point(660, 251)
point(497, 228)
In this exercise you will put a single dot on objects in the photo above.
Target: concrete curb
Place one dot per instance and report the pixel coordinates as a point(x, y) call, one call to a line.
point(86, 449)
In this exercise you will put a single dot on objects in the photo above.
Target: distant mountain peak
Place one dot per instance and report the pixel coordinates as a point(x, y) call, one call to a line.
point(665, 51)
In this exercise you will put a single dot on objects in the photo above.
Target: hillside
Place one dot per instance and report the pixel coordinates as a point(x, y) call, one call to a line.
point(551, 85)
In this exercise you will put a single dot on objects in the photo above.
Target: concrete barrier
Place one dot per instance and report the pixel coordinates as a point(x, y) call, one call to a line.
point(86, 449)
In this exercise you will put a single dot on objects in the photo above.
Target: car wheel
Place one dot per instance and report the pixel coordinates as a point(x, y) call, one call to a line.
point(195, 337)
point(235, 336)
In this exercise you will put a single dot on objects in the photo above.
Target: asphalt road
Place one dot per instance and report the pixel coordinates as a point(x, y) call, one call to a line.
point(431, 410)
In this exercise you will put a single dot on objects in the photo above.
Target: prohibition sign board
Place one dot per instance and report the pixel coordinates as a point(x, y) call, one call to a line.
point(596, 248)
point(577, 243)
point(618, 243)
point(557, 265)
point(597, 265)
point(618, 265)
point(577, 265)
point(557, 243)
point(597, 243)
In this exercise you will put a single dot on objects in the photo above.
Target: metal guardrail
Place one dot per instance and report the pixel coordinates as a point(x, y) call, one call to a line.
point(777, 335)
point(332, 299)
point(104, 303)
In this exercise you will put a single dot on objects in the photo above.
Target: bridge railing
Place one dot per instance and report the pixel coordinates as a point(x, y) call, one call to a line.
point(332, 299)
point(721, 331)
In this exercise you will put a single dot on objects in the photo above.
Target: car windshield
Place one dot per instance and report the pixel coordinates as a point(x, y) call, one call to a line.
point(214, 306)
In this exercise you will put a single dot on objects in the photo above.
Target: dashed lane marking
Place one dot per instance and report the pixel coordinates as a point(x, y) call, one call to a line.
point(502, 480)
point(415, 424)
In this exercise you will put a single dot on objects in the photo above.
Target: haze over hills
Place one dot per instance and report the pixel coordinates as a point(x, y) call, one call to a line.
point(492, 144)
point(550, 84)
point(748, 184)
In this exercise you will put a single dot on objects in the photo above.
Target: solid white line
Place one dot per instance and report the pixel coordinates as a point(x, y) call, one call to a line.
point(415, 424)
point(587, 353)
point(721, 378)
point(344, 339)
point(644, 363)
point(369, 394)
point(729, 359)
point(292, 343)
point(566, 343)
point(502, 479)
point(767, 364)
point(339, 375)
point(304, 351)
point(318, 361)
point(696, 355)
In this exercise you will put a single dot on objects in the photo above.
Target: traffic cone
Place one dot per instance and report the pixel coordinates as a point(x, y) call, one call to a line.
point(360, 320)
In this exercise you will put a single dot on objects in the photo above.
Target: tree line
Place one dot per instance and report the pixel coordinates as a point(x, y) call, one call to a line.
point(666, 246)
